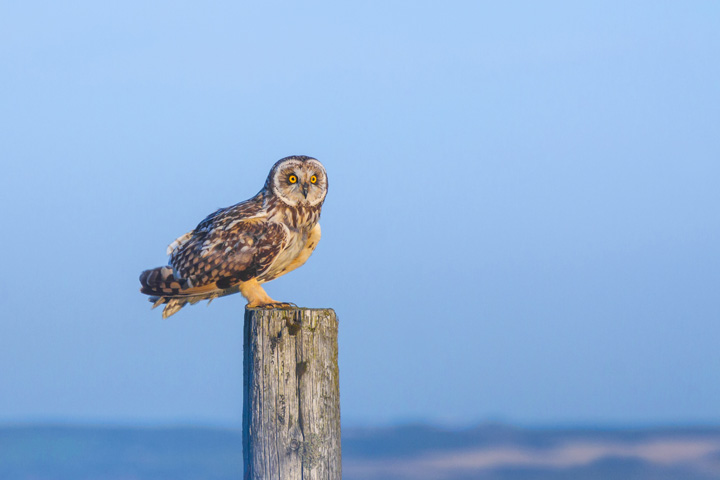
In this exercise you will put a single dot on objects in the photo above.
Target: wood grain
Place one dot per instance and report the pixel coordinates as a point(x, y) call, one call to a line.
point(291, 410)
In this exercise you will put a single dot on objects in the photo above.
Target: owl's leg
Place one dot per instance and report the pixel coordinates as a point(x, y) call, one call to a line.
point(257, 297)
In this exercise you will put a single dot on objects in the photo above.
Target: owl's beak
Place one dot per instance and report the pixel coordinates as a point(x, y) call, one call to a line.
point(305, 187)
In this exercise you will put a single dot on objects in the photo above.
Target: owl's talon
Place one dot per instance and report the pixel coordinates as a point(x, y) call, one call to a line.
point(281, 305)
point(271, 305)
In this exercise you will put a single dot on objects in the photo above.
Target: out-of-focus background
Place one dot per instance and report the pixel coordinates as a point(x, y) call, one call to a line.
point(522, 224)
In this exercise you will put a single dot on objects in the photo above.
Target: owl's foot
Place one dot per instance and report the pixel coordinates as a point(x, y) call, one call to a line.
point(257, 298)
point(270, 306)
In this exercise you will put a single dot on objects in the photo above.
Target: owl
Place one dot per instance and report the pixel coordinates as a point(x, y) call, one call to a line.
point(238, 248)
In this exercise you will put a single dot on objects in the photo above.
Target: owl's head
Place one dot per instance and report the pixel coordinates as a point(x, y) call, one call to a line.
point(298, 181)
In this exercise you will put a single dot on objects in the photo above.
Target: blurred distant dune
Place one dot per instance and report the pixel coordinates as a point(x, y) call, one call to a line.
point(695, 454)
point(501, 452)
point(490, 452)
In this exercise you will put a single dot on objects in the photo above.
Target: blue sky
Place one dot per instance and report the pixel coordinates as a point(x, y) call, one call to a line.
point(522, 222)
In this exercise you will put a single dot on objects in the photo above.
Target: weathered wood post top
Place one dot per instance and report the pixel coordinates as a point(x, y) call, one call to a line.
point(291, 408)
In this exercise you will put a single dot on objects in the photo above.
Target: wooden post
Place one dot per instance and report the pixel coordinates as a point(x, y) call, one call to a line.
point(291, 408)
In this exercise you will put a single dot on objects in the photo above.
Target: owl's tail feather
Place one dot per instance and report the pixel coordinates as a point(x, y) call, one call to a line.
point(164, 288)
point(159, 281)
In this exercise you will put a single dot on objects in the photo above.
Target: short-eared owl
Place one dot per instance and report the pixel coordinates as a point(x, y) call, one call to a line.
point(237, 248)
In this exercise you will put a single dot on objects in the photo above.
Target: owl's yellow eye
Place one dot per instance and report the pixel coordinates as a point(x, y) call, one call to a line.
point(313, 179)
point(292, 179)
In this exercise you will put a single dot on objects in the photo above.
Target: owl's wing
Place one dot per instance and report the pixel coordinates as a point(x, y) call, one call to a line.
point(249, 209)
point(227, 247)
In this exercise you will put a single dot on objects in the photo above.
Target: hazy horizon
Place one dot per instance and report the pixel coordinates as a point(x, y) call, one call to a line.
point(493, 452)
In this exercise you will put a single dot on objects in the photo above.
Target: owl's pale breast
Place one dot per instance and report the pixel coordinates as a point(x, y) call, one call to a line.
point(295, 242)
point(297, 222)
